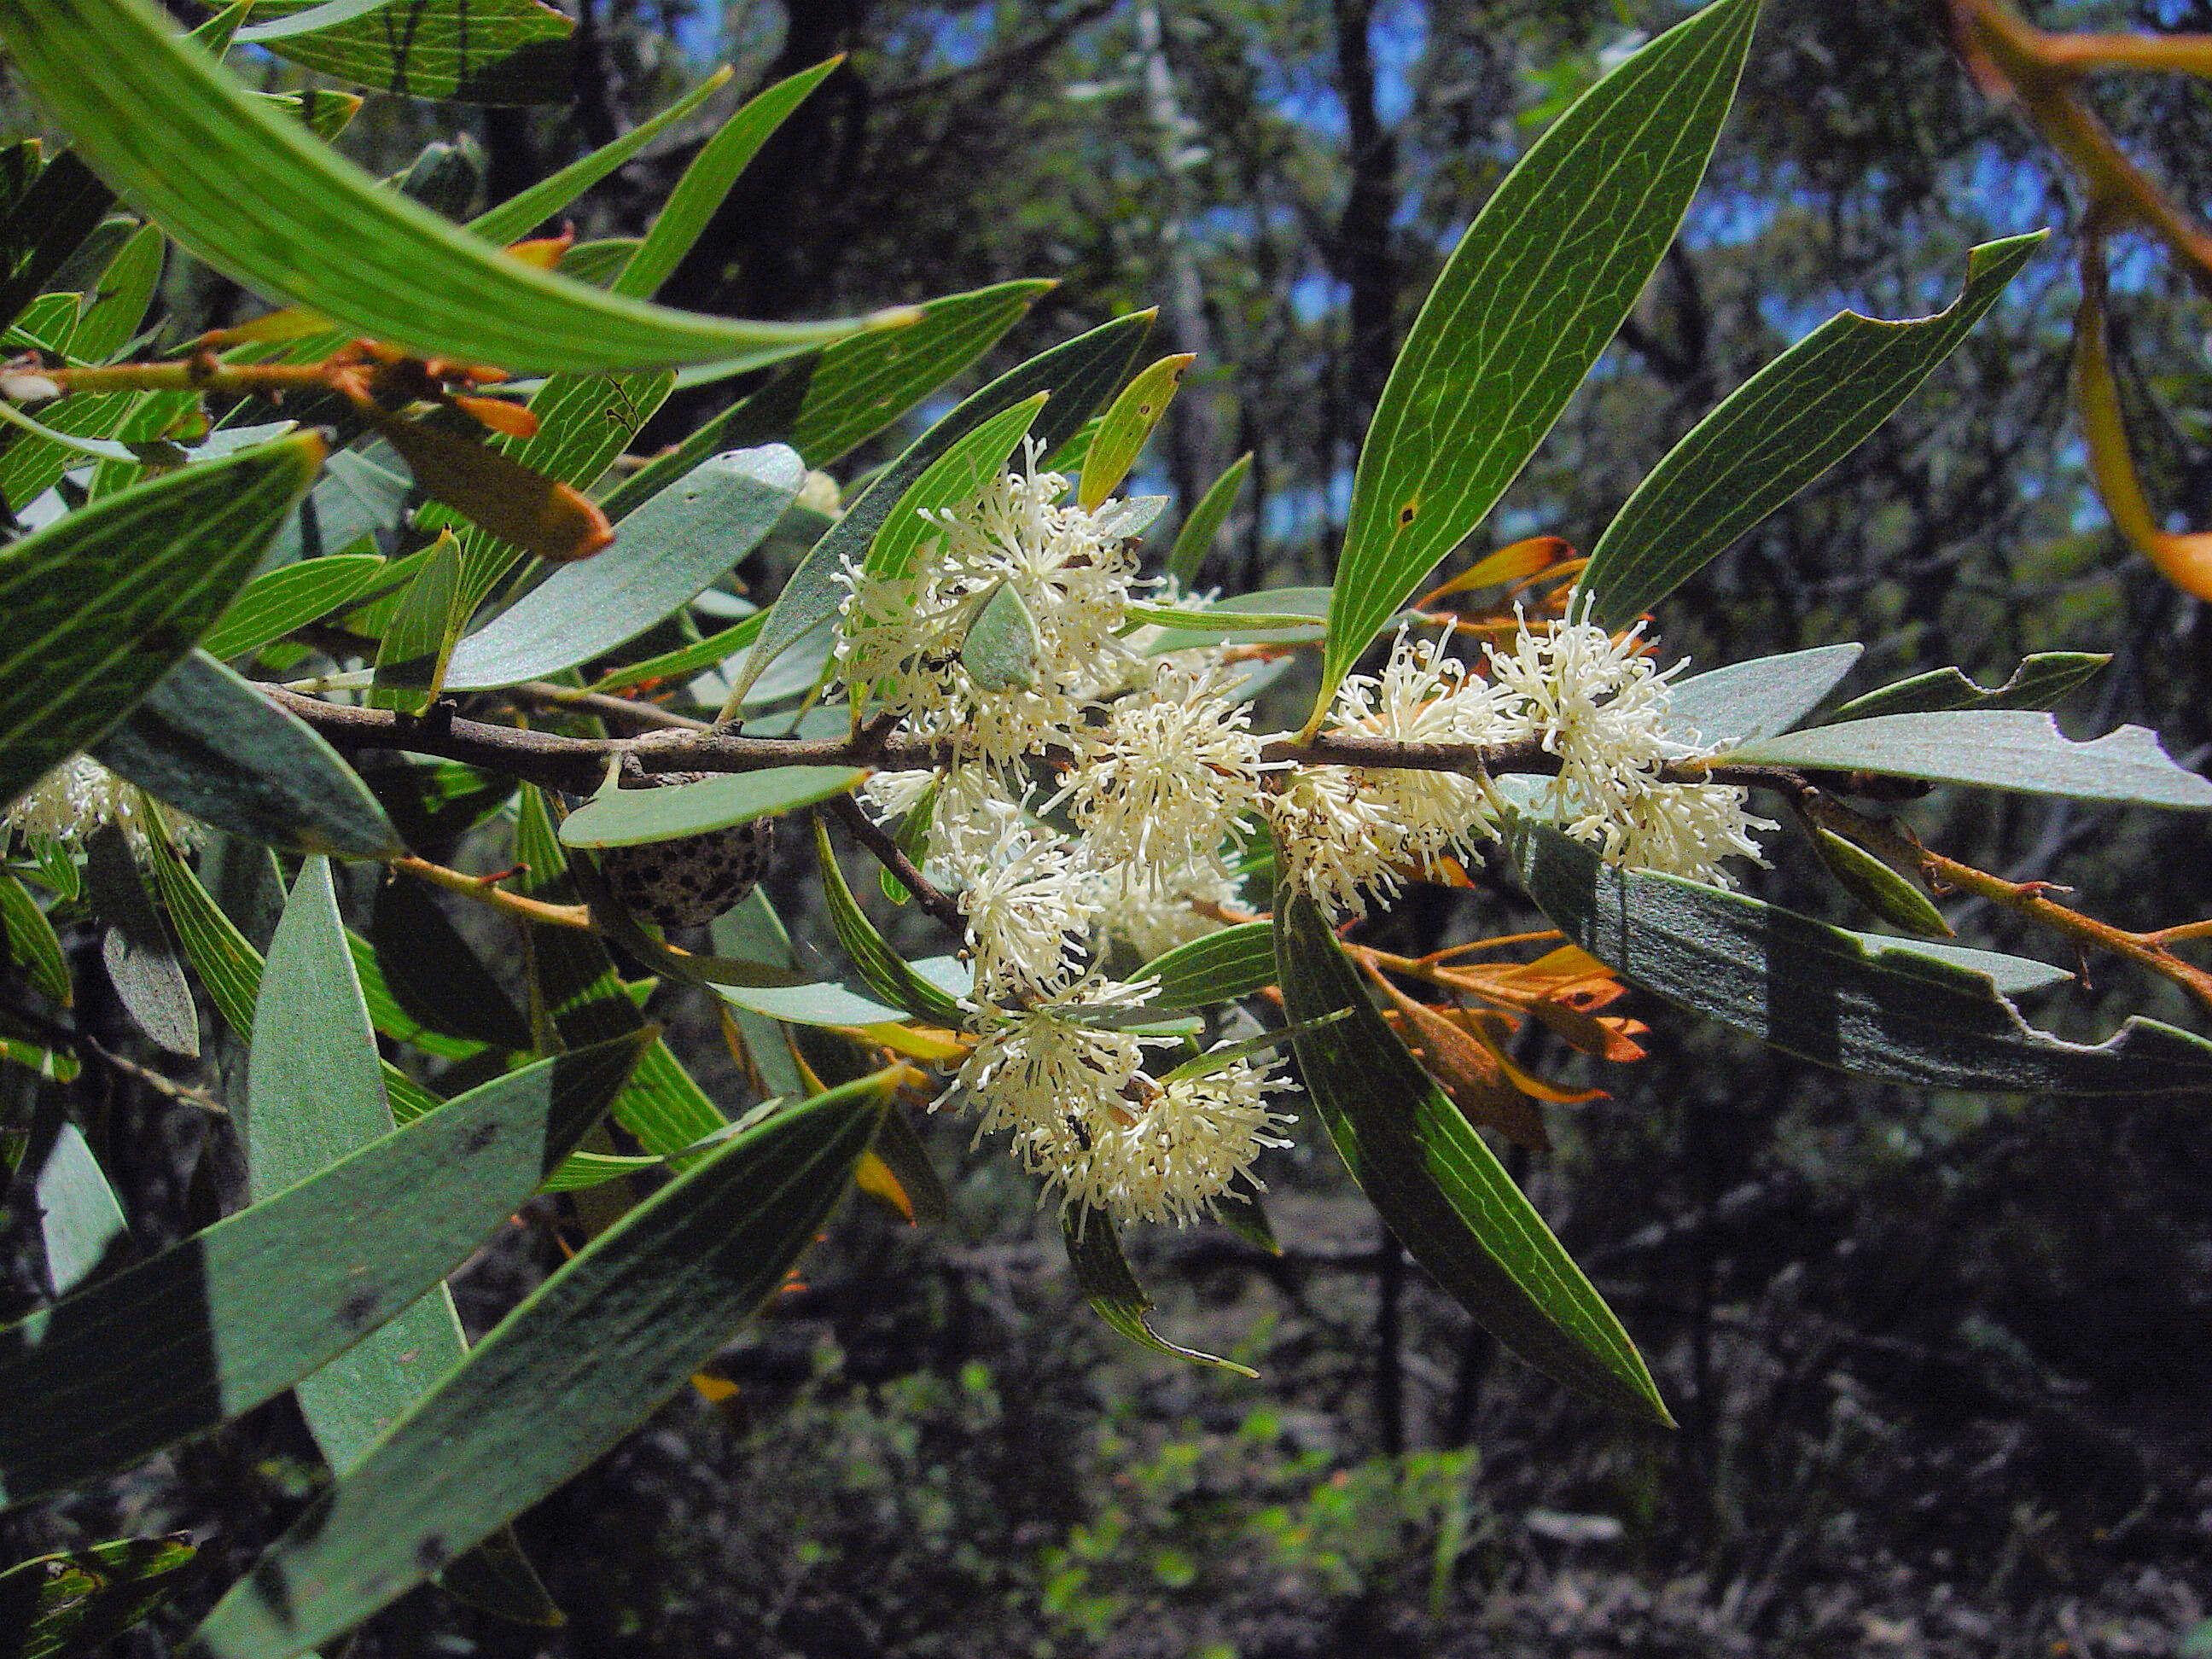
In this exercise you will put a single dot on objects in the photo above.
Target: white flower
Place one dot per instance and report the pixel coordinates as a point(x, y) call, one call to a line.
point(1175, 1158)
point(1422, 696)
point(1338, 840)
point(901, 635)
point(1597, 703)
point(1028, 909)
point(1054, 1077)
point(1155, 914)
point(1172, 770)
point(72, 802)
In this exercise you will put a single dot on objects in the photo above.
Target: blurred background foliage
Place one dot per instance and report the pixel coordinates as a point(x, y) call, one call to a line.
point(1941, 1361)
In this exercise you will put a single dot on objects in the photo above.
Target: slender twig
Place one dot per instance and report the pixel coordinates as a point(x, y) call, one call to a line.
point(643, 714)
point(55, 1032)
point(482, 890)
point(871, 834)
point(2029, 898)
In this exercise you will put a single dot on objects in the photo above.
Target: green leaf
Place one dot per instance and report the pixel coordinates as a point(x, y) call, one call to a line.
point(954, 479)
point(1122, 430)
point(859, 387)
point(584, 421)
point(620, 1327)
point(684, 660)
point(679, 543)
point(602, 263)
point(410, 662)
point(238, 1313)
point(700, 191)
point(319, 233)
point(1888, 1008)
point(102, 604)
point(73, 1606)
point(2039, 681)
point(1534, 291)
point(230, 967)
point(80, 1223)
point(1102, 1271)
point(582, 998)
point(1279, 616)
point(1437, 1186)
point(1997, 748)
point(30, 942)
point(277, 601)
point(1217, 968)
point(473, 51)
point(1000, 649)
point(137, 951)
point(887, 973)
point(1895, 898)
point(44, 226)
point(1076, 375)
point(819, 1003)
point(1195, 539)
point(525, 210)
point(1774, 434)
point(630, 818)
point(432, 975)
point(1754, 699)
point(912, 839)
point(209, 744)
point(32, 466)
point(314, 1094)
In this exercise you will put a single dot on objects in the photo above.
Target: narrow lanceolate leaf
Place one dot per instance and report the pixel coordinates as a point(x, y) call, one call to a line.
point(524, 211)
point(138, 951)
point(1437, 1186)
point(236, 1314)
point(887, 973)
point(630, 818)
point(208, 743)
point(29, 941)
point(230, 967)
point(1233, 963)
point(80, 1223)
point(434, 976)
point(2039, 681)
point(859, 387)
point(75, 1605)
point(1277, 615)
point(953, 480)
point(1774, 434)
point(1122, 430)
point(1102, 1271)
point(577, 1365)
point(1997, 748)
point(1896, 1009)
point(411, 663)
point(1754, 699)
point(1195, 538)
point(277, 601)
point(316, 231)
point(999, 650)
point(500, 496)
point(472, 52)
point(101, 603)
point(673, 546)
point(1890, 894)
point(44, 226)
point(1532, 293)
point(314, 1094)
point(700, 191)
point(1076, 375)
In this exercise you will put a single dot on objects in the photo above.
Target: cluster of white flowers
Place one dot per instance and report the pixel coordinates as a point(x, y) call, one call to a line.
point(1159, 775)
point(74, 800)
point(1160, 765)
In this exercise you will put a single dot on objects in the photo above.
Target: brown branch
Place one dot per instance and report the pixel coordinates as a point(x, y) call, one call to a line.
point(869, 834)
